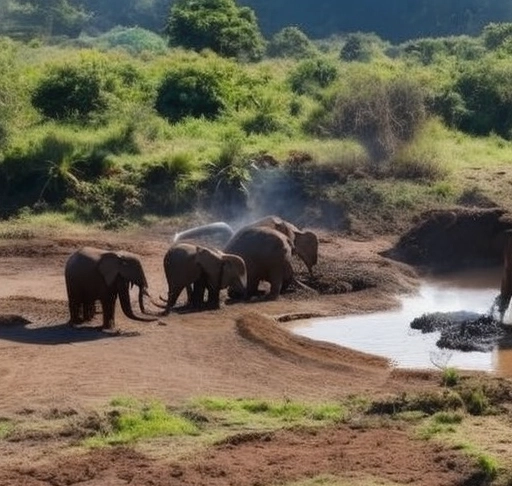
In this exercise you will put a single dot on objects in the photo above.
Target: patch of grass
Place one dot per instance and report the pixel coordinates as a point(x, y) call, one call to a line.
point(450, 377)
point(6, 427)
point(131, 420)
point(285, 411)
point(330, 480)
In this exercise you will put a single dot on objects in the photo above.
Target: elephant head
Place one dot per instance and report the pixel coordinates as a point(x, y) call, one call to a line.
point(123, 269)
point(223, 269)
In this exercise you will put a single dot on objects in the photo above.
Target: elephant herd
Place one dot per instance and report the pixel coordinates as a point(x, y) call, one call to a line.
point(259, 251)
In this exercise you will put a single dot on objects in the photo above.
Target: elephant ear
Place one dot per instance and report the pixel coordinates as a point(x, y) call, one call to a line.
point(306, 245)
point(108, 266)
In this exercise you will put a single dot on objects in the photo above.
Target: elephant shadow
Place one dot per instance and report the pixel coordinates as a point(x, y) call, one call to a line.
point(18, 329)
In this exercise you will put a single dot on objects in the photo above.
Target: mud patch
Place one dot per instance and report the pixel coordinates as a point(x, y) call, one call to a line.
point(445, 240)
point(279, 458)
point(462, 331)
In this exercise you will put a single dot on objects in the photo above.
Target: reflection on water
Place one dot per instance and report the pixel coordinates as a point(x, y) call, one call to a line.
point(389, 334)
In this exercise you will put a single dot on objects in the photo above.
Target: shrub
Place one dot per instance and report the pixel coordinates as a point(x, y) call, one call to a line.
point(69, 92)
point(361, 47)
point(312, 74)
point(219, 25)
point(134, 39)
point(194, 91)
point(496, 35)
point(290, 42)
point(381, 114)
point(486, 96)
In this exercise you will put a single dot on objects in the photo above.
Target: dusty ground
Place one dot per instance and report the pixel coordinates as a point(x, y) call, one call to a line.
point(237, 351)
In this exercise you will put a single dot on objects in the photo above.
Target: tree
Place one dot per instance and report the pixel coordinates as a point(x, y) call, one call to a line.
point(46, 18)
point(219, 25)
point(291, 42)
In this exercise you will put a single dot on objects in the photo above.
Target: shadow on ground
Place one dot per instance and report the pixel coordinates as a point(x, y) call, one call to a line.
point(18, 329)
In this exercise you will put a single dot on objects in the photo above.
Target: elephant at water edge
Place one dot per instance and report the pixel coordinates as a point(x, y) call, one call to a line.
point(267, 254)
point(198, 268)
point(93, 274)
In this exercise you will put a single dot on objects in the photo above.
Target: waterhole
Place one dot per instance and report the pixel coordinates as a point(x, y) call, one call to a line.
point(389, 333)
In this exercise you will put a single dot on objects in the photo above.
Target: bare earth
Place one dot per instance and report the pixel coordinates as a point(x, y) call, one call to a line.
point(240, 350)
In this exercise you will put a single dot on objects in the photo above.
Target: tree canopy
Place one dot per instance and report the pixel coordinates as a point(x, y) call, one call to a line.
point(219, 25)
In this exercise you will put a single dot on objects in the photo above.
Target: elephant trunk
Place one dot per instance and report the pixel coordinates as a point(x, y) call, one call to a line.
point(126, 306)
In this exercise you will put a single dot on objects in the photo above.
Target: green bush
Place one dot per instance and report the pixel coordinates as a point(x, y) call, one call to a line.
point(219, 25)
point(290, 42)
point(312, 74)
point(485, 93)
point(134, 39)
point(195, 90)
point(69, 92)
point(496, 35)
point(361, 47)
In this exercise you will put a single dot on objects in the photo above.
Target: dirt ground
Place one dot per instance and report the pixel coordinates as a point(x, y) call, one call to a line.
point(241, 350)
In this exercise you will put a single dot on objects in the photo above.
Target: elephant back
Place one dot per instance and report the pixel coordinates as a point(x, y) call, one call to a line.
point(259, 245)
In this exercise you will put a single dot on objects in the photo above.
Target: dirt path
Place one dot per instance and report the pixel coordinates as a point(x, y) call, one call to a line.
point(238, 351)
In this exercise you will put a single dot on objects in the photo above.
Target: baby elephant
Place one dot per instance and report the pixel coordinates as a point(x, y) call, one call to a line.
point(93, 274)
point(198, 268)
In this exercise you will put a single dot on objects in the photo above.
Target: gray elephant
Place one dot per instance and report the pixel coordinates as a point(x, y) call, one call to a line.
point(93, 274)
point(305, 243)
point(267, 254)
point(199, 268)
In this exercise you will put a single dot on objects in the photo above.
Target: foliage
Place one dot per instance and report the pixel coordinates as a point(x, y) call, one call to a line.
point(10, 84)
point(170, 183)
point(311, 74)
point(431, 50)
point(496, 35)
point(381, 114)
point(69, 92)
point(44, 18)
point(219, 25)
point(481, 100)
point(360, 46)
point(290, 42)
point(450, 377)
point(195, 90)
point(134, 39)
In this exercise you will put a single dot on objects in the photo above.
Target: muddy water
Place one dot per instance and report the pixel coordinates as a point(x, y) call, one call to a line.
point(389, 334)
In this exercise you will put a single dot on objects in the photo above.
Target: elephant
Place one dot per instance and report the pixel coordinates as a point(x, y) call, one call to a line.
point(93, 274)
point(187, 265)
point(503, 299)
point(305, 243)
point(267, 254)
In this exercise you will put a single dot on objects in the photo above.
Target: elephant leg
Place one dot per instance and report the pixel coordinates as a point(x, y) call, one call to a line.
point(252, 287)
point(196, 298)
point(276, 283)
point(213, 297)
point(108, 304)
point(74, 311)
point(89, 311)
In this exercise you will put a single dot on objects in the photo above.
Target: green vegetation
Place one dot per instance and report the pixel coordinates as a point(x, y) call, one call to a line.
point(131, 420)
point(120, 127)
point(220, 25)
point(270, 413)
